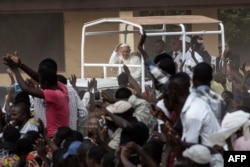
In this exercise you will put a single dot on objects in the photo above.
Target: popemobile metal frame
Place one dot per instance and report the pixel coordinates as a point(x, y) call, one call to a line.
point(137, 23)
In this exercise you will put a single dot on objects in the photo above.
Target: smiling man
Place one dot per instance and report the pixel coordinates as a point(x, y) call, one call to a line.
point(122, 55)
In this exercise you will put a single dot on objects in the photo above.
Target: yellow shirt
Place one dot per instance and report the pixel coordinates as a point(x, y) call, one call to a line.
point(218, 88)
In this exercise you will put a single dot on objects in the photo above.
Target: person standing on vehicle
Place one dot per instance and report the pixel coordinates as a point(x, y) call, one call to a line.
point(192, 58)
point(123, 55)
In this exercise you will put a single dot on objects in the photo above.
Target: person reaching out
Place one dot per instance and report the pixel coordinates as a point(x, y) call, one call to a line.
point(55, 93)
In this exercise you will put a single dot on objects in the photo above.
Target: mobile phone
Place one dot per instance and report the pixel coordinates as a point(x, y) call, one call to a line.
point(101, 123)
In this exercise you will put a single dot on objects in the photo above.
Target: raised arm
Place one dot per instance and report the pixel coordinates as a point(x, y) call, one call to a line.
point(16, 60)
point(154, 70)
point(132, 81)
point(7, 60)
point(12, 79)
point(140, 46)
point(72, 81)
point(119, 121)
point(114, 58)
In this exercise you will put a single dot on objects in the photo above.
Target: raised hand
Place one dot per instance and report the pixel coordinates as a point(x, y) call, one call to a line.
point(41, 127)
point(142, 41)
point(12, 57)
point(126, 69)
point(33, 163)
point(90, 85)
point(117, 48)
point(72, 80)
point(8, 60)
point(41, 148)
point(94, 84)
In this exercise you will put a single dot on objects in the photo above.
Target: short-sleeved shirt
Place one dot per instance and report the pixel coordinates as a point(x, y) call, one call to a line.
point(57, 109)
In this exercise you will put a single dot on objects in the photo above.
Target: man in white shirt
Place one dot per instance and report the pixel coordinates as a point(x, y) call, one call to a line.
point(197, 118)
point(123, 55)
point(202, 77)
point(191, 57)
point(176, 52)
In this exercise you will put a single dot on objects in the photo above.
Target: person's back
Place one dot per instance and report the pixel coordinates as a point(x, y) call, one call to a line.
point(202, 77)
point(198, 120)
point(57, 101)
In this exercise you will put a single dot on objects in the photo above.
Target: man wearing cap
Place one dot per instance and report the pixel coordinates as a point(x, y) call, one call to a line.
point(122, 55)
point(120, 114)
point(72, 150)
point(191, 57)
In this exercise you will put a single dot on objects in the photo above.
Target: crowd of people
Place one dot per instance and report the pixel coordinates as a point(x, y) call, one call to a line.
point(188, 117)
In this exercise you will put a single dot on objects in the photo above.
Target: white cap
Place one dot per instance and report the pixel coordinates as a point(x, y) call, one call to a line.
point(187, 39)
point(198, 153)
point(124, 44)
point(119, 107)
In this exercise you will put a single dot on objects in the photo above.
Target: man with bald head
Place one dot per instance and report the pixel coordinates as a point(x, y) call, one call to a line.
point(123, 55)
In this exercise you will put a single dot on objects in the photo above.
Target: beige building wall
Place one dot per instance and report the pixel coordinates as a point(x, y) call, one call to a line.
point(99, 48)
point(211, 41)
